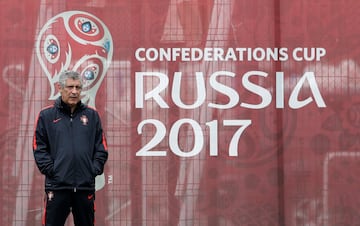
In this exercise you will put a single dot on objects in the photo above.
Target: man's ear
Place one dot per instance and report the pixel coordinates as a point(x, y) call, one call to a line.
point(58, 86)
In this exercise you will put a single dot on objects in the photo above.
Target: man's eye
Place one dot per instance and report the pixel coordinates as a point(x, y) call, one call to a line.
point(72, 87)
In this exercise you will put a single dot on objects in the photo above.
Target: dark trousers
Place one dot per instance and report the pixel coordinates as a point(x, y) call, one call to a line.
point(59, 204)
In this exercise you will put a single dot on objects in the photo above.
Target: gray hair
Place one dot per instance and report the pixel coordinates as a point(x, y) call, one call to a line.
point(69, 74)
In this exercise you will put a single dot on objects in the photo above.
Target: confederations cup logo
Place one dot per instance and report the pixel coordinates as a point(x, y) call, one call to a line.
point(79, 41)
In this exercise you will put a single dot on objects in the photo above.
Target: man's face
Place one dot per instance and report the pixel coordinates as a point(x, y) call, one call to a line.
point(70, 93)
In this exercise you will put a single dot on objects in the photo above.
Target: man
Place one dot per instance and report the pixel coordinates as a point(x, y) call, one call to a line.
point(70, 150)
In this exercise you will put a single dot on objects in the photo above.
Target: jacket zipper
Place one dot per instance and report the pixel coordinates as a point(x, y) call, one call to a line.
point(72, 144)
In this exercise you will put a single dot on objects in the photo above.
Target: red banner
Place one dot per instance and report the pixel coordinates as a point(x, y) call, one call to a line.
point(215, 112)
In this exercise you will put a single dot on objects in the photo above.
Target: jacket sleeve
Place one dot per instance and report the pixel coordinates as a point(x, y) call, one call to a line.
point(101, 149)
point(41, 148)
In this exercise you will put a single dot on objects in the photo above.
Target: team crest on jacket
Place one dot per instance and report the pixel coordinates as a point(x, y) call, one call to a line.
point(84, 119)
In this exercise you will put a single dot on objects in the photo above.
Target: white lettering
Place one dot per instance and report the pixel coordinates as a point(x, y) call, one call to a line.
point(201, 91)
point(256, 89)
point(308, 54)
point(155, 93)
point(228, 91)
point(294, 101)
point(231, 93)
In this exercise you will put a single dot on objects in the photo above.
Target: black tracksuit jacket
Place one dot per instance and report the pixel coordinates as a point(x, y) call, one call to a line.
point(69, 149)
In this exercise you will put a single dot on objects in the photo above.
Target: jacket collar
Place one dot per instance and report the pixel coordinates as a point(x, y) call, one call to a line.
point(64, 107)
